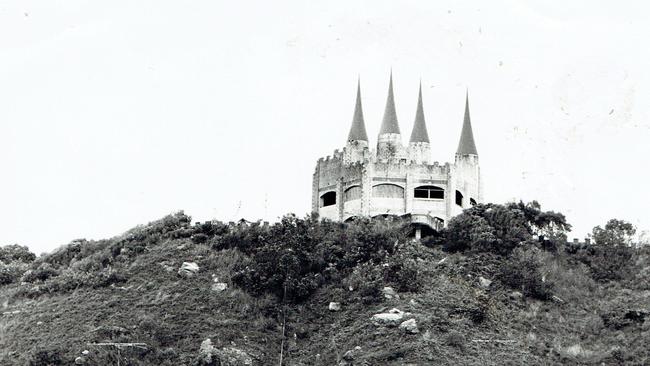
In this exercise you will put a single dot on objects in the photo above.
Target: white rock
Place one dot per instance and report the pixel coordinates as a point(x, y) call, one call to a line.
point(391, 318)
point(85, 352)
point(443, 260)
point(188, 269)
point(219, 286)
point(410, 326)
point(389, 293)
point(484, 282)
point(335, 306)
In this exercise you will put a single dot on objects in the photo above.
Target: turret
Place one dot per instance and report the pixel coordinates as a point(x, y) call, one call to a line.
point(389, 143)
point(466, 145)
point(357, 143)
point(419, 146)
point(466, 165)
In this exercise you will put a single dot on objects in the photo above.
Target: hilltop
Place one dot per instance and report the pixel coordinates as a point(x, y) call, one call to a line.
point(500, 285)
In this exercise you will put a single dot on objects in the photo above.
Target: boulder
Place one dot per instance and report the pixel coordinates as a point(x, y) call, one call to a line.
point(410, 326)
point(334, 306)
point(227, 356)
point(484, 282)
point(516, 295)
point(391, 318)
point(80, 361)
point(188, 269)
point(389, 293)
point(219, 286)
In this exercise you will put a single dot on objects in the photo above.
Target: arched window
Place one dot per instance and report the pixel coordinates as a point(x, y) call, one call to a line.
point(328, 199)
point(472, 201)
point(429, 192)
point(352, 193)
point(388, 191)
point(459, 198)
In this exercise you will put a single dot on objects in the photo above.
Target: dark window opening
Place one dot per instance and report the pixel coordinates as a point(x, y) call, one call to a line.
point(472, 202)
point(459, 199)
point(429, 192)
point(328, 199)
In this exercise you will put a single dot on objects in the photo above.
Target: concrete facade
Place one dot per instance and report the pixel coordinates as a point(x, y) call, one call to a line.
point(394, 179)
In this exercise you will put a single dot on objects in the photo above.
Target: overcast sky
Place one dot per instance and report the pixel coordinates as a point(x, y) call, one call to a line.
point(116, 113)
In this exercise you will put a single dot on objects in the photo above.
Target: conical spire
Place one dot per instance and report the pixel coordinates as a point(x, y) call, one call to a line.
point(466, 145)
point(419, 133)
point(389, 123)
point(358, 129)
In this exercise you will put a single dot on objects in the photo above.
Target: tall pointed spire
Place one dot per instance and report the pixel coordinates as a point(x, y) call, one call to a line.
point(466, 146)
point(358, 129)
point(389, 123)
point(419, 133)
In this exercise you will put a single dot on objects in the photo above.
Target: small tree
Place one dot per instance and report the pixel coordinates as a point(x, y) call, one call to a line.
point(616, 233)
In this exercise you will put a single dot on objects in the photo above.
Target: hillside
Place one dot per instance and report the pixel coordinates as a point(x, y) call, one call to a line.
point(498, 296)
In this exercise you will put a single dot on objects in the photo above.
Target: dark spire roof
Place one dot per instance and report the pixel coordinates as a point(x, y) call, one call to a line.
point(419, 133)
point(389, 123)
point(466, 145)
point(358, 129)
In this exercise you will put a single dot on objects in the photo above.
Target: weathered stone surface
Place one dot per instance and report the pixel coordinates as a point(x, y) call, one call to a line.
point(516, 295)
point(484, 282)
point(391, 318)
point(219, 286)
point(410, 326)
point(188, 269)
point(389, 293)
point(334, 306)
point(227, 356)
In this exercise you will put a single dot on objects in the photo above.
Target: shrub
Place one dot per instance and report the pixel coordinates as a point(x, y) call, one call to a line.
point(40, 273)
point(605, 263)
point(48, 357)
point(15, 252)
point(10, 273)
point(523, 271)
point(500, 229)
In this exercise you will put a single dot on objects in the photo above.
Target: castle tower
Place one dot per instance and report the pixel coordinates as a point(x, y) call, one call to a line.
point(389, 143)
point(419, 147)
point(357, 144)
point(397, 181)
point(466, 164)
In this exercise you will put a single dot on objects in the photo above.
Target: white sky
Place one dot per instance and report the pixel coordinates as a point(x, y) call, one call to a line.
point(115, 113)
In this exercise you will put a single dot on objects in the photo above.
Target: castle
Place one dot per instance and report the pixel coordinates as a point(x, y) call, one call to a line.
point(397, 180)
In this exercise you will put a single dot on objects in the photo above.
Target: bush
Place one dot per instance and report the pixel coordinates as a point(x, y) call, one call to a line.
point(605, 263)
point(289, 258)
point(15, 252)
point(500, 229)
point(48, 357)
point(10, 273)
point(523, 271)
point(40, 273)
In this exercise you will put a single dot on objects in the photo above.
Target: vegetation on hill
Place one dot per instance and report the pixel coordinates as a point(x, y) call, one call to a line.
point(499, 285)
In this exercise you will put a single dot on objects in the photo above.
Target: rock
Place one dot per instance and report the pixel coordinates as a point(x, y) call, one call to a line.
point(390, 319)
point(227, 356)
point(349, 355)
point(443, 260)
point(39, 323)
point(389, 293)
point(85, 352)
point(335, 306)
point(427, 336)
point(516, 295)
point(484, 282)
point(219, 286)
point(188, 269)
point(79, 361)
point(410, 326)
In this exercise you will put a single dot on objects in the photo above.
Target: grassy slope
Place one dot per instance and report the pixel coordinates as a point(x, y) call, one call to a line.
point(173, 315)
